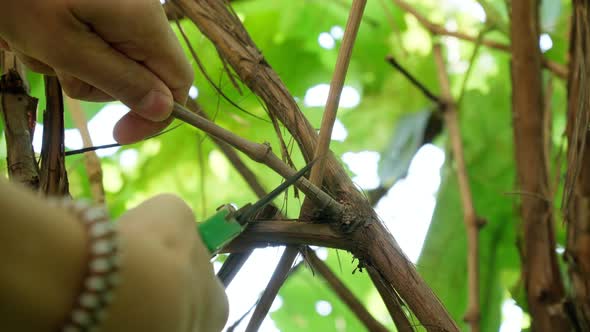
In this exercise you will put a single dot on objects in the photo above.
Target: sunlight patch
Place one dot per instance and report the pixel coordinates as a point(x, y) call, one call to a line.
point(545, 42)
point(337, 32)
point(512, 317)
point(128, 159)
point(317, 96)
point(408, 206)
point(276, 304)
point(193, 92)
point(364, 164)
point(219, 165)
point(471, 7)
point(416, 39)
point(339, 132)
point(102, 124)
point(112, 179)
point(323, 308)
point(326, 41)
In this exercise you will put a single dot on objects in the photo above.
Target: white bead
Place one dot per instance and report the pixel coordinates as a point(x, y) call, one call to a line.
point(96, 283)
point(89, 300)
point(79, 205)
point(94, 213)
point(100, 264)
point(101, 247)
point(81, 317)
point(99, 229)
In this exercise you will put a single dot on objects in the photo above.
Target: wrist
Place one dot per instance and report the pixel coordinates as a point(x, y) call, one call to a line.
point(101, 276)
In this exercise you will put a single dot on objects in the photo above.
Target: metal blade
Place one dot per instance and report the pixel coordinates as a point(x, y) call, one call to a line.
point(244, 214)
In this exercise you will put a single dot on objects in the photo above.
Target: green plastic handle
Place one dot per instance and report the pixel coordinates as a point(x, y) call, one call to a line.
point(219, 229)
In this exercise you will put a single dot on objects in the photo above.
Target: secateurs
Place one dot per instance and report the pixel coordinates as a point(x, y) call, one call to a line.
point(227, 223)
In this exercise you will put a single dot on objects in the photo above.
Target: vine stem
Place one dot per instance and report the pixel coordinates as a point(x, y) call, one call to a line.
point(336, 85)
point(472, 225)
point(321, 150)
point(91, 160)
point(260, 153)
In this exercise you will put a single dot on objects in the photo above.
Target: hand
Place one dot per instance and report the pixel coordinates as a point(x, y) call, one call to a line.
point(167, 282)
point(101, 51)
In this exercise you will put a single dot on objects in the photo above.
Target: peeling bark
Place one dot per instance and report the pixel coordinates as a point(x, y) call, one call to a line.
point(18, 113)
point(545, 291)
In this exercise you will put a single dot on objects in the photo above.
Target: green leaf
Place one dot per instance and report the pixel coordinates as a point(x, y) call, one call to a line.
point(407, 139)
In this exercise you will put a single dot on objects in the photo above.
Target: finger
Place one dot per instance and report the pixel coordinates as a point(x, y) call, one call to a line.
point(34, 64)
point(214, 305)
point(170, 220)
point(133, 128)
point(147, 38)
point(98, 64)
point(77, 89)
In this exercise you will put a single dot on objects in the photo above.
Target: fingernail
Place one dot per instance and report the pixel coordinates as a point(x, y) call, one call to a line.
point(155, 106)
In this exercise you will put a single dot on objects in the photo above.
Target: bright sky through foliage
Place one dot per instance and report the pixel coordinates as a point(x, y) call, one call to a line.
point(545, 42)
point(317, 95)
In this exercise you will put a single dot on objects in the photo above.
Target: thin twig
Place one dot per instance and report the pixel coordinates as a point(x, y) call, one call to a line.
point(276, 281)
point(321, 151)
point(91, 160)
point(353, 303)
point(329, 117)
point(206, 74)
point(472, 315)
point(437, 29)
point(260, 153)
point(472, 62)
point(429, 94)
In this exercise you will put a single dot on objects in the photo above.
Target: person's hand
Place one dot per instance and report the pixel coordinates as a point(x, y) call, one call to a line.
point(167, 282)
point(101, 51)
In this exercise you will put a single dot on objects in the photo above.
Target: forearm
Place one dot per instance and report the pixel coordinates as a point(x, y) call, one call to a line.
point(42, 261)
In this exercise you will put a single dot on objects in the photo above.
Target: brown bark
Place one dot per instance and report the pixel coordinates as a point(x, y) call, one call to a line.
point(545, 291)
point(373, 244)
point(577, 188)
point(19, 115)
point(53, 175)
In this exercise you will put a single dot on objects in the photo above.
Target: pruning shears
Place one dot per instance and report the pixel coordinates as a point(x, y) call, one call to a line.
point(228, 222)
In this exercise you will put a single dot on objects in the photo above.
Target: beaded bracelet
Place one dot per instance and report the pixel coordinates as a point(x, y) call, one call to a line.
point(102, 273)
